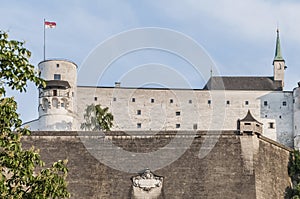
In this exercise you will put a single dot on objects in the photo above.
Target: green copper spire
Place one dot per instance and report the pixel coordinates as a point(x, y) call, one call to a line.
point(278, 56)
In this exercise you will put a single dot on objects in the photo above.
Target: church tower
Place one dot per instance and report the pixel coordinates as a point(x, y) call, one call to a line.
point(57, 101)
point(278, 63)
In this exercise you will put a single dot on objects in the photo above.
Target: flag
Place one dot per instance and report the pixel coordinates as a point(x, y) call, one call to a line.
point(50, 24)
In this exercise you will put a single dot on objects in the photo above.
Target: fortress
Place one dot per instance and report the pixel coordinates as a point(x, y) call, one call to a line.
point(217, 106)
point(244, 126)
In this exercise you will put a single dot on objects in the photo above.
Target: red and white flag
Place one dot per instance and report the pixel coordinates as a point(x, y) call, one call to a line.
point(50, 24)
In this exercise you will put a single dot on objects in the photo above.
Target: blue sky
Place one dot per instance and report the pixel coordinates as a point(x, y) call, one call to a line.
point(239, 36)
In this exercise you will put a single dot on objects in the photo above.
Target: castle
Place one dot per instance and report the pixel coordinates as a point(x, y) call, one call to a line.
point(217, 106)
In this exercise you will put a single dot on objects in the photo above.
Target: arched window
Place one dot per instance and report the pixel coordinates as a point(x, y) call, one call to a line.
point(45, 104)
point(55, 103)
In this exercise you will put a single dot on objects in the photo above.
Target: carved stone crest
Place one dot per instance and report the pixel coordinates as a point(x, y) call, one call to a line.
point(147, 180)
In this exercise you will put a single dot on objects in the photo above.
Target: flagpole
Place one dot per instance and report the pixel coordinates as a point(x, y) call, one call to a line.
point(44, 41)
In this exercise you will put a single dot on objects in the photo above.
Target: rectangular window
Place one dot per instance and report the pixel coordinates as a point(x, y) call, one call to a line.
point(133, 99)
point(114, 99)
point(247, 124)
point(57, 77)
point(138, 125)
point(177, 126)
point(54, 92)
point(177, 113)
point(209, 102)
point(57, 65)
point(62, 105)
point(171, 101)
point(138, 112)
point(95, 98)
point(152, 100)
point(195, 126)
point(271, 125)
point(265, 103)
point(190, 101)
point(228, 102)
point(284, 103)
point(246, 102)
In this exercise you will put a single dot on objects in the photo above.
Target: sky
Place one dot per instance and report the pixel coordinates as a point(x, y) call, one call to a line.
point(239, 36)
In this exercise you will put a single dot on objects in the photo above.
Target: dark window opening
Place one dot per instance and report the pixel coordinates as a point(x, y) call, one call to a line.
point(133, 99)
point(171, 101)
point(284, 103)
point(114, 99)
point(177, 113)
point(208, 101)
point(54, 92)
point(57, 65)
point(247, 124)
point(227, 102)
point(271, 125)
point(265, 103)
point(177, 126)
point(138, 112)
point(139, 125)
point(246, 102)
point(152, 100)
point(195, 126)
point(57, 77)
point(95, 98)
point(190, 101)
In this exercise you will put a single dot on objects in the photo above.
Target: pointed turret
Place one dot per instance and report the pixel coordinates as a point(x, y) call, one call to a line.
point(279, 63)
point(278, 55)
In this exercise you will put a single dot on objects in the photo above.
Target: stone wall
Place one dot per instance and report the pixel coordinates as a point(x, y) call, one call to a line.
point(192, 109)
point(237, 167)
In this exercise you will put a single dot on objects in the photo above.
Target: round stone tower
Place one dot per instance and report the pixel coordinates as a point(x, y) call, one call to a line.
point(296, 94)
point(57, 101)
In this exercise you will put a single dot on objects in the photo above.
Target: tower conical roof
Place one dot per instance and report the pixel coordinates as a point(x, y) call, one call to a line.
point(249, 118)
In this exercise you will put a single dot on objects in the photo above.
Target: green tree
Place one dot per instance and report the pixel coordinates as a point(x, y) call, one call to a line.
point(293, 192)
point(22, 171)
point(97, 118)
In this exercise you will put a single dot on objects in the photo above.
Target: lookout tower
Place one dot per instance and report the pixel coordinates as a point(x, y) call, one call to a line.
point(57, 101)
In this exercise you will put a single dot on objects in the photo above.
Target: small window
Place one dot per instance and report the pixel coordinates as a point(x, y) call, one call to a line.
point(265, 103)
point(228, 102)
point(195, 126)
point(293, 101)
point(246, 102)
point(114, 99)
point(177, 126)
point(209, 102)
point(95, 98)
point(133, 99)
point(62, 105)
point(266, 115)
point(152, 100)
point(177, 113)
point(138, 125)
point(57, 65)
point(271, 125)
point(190, 101)
point(57, 77)
point(138, 112)
point(171, 101)
point(72, 94)
point(247, 124)
point(279, 116)
point(54, 92)
point(284, 103)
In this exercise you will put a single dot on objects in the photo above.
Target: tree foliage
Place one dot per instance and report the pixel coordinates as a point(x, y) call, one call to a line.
point(22, 171)
point(293, 192)
point(97, 118)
